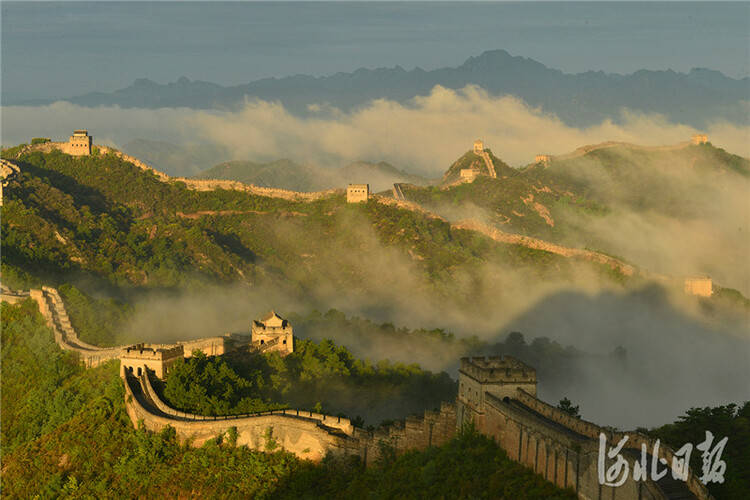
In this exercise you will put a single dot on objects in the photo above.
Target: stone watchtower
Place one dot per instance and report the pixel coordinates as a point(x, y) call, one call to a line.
point(701, 286)
point(500, 376)
point(135, 359)
point(79, 143)
point(272, 333)
point(478, 147)
point(699, 139)
point(357, 192)
point(543, 159)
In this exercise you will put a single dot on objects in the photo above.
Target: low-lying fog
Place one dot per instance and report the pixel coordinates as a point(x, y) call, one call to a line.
point(678, 356)
point(423, 137)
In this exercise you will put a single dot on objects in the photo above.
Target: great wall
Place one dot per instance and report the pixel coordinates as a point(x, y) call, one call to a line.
point(398, 199)
point(307, 434)
point(496, 395)
point(195, 184)
point(537, 244)
point(546, 159)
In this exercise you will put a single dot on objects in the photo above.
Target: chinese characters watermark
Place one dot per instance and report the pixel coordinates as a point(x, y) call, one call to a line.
point(713, 467)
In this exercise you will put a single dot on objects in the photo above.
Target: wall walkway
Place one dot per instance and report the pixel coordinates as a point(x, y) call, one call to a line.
point(537, 244)
point(308, 435)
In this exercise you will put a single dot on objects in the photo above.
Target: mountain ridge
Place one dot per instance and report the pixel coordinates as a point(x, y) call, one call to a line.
point(695, 98)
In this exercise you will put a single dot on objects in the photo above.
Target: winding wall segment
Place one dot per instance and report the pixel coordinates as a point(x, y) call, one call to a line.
point(195, 184)
point(537, 244)
point(561, 448)
point(488, 162)
point(308, 435)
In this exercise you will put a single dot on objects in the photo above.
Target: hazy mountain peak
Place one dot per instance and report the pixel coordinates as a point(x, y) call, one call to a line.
point(697, 98)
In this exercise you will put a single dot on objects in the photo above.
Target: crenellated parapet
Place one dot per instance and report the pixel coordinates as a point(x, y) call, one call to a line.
point(308, 435)
point(562, 448)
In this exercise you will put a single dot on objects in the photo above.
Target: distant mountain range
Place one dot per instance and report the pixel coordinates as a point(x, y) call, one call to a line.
point(693, 98)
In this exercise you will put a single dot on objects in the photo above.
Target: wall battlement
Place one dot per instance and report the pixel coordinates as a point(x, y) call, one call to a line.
point(562, 448)
point(497, 369)
point(157, 357)
point(308, 435)
point(152, 351)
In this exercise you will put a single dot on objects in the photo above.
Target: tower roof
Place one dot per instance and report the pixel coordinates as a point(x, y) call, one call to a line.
point(272, 320)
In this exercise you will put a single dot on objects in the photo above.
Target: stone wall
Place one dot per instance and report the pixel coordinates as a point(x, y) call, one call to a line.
point(305, 437)
point(564, 449)
point(12, 297)
point(435, 428)
point(195, 184)
point(546, 246)
point(561, 448)
point(53, 310)
point(308, 435)
point(592, 431)
point(210, 346)
point(212, 184)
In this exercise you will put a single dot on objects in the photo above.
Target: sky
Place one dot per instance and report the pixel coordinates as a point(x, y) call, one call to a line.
point(70, 48)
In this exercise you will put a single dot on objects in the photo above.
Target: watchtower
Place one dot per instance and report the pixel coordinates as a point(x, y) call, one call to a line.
point(135, 359)
point(273, 333)
point(357, 192)
point(500, 376)
point(543, 159)
point(79, 143)
point(701, 286)
point(469, 174)
point(478, 147)
point(699, 139)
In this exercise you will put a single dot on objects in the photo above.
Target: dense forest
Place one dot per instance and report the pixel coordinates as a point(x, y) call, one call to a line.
point(317, 376)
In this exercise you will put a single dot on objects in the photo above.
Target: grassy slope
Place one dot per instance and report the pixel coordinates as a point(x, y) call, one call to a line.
point(641, 179)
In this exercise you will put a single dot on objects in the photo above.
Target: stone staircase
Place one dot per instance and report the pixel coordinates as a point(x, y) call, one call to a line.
point(488, 161)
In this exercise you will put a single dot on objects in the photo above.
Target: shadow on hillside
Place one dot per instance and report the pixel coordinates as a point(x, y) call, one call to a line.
point(82, 195)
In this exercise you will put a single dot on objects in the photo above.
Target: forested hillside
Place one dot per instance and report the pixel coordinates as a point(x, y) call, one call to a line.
point(104, 219)
point(613, 198)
